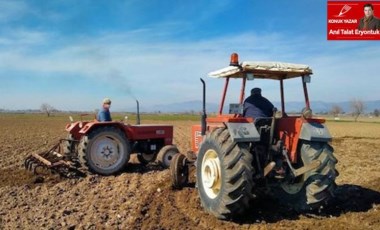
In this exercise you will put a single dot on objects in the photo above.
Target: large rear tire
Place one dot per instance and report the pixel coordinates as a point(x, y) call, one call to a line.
point(104, 151)
point(224, 175)
point(68, 145)
point(314, 189)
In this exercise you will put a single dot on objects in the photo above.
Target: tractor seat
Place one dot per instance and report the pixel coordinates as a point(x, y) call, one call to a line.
point(262, 121)
point(263, 126)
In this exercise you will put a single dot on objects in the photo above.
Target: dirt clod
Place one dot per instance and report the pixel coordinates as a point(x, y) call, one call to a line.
point(141, 198)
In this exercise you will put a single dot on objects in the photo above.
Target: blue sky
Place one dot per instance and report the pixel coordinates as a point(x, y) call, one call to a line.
point(71, 54)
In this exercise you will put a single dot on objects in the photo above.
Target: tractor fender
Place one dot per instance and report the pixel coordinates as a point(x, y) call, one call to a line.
point(314, 131)
point(91, 125)
point(72, 127)
point(243, 132)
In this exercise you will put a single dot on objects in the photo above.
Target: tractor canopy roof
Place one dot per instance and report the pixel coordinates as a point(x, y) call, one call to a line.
point(263, 70)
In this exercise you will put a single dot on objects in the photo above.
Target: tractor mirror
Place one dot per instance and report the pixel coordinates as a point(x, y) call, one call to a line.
point(307, 79)
point(250, 76)
point(236, 108)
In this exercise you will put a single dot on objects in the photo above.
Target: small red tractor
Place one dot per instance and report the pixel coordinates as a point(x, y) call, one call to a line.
point(105, 147)
point(238, 158)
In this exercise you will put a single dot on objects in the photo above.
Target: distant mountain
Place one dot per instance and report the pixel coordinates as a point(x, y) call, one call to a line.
point(196, 107)
point(317, 106)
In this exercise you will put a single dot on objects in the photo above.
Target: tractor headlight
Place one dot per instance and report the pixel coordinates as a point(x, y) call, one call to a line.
point(307, 113)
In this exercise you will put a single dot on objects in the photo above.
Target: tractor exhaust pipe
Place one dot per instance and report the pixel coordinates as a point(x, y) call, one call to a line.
point(204, 115)
point(138, 113)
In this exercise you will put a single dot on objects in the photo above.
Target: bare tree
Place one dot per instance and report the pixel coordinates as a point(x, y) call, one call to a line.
point(376, 112)
point(336, 110)
point(357, 106)
point(46, 108)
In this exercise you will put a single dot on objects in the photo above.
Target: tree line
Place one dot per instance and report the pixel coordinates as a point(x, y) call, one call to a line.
point(357, 108)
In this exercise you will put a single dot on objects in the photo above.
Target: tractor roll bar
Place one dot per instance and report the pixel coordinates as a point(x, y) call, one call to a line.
point(282, 97)
point(305, 92)
point(224, 95)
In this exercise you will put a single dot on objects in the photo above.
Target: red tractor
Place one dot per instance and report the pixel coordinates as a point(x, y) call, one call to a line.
point(105, 147)
point(236, 157)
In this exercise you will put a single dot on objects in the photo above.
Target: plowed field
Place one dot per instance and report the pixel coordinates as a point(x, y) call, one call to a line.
point(141, 198)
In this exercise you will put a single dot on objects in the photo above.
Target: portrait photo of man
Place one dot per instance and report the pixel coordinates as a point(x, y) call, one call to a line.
point(369, 21)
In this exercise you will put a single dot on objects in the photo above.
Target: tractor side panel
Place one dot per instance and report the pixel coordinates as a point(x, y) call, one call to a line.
point(74, 129)
point(196, 135)
point(150, 132)
point(288, 130)
point(314, 131)
point(243, 132)
point(291, 129)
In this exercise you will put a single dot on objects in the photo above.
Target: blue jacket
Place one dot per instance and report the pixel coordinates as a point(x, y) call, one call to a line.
point(104, 115)
point(256, 106)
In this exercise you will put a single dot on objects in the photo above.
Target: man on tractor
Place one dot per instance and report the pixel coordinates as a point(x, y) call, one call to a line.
point(104, 114)
point(256, 106)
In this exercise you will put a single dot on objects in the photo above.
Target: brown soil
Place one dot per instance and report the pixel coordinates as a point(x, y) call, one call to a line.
point(141, 197)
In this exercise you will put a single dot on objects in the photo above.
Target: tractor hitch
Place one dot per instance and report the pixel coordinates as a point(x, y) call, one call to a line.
point(304, 169)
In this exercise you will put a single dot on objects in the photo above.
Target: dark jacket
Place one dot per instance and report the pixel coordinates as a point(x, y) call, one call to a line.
point(373, 23)
point(104, 115)
point(256, 106)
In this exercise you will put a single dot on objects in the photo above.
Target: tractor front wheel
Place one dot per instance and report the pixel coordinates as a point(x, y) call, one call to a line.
point(166, 154)
point(224, 175)
point(146, 158)
point(105, 151)
point(179, 171)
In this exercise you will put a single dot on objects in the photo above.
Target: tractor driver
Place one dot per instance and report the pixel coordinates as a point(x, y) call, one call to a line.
point(256, 106)
point(104, 114)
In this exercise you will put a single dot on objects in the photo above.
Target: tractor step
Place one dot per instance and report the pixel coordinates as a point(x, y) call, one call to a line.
point(269, 168)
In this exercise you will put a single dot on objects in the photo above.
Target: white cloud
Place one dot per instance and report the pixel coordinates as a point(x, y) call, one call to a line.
point(12, 10)
point(159, 70)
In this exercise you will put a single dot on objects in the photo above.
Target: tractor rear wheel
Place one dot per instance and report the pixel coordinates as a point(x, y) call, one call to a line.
point(146, 158)
point(315, 188)
point(224, 175)
point(105, 151)
point(68, 145)
point(166, 154)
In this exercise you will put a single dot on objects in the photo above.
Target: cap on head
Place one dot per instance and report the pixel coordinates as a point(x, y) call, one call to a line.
point(107, 101)
point(256, 91)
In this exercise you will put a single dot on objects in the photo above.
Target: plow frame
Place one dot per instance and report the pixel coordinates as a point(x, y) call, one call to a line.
point(54, 160)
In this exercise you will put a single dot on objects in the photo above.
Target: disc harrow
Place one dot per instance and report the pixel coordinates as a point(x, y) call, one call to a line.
point(55, 160)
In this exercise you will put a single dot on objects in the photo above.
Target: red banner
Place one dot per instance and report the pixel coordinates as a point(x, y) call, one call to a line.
point(353, 20)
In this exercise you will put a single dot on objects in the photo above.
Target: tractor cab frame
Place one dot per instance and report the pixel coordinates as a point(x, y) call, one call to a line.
point(237, 156)
point(288, 128)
